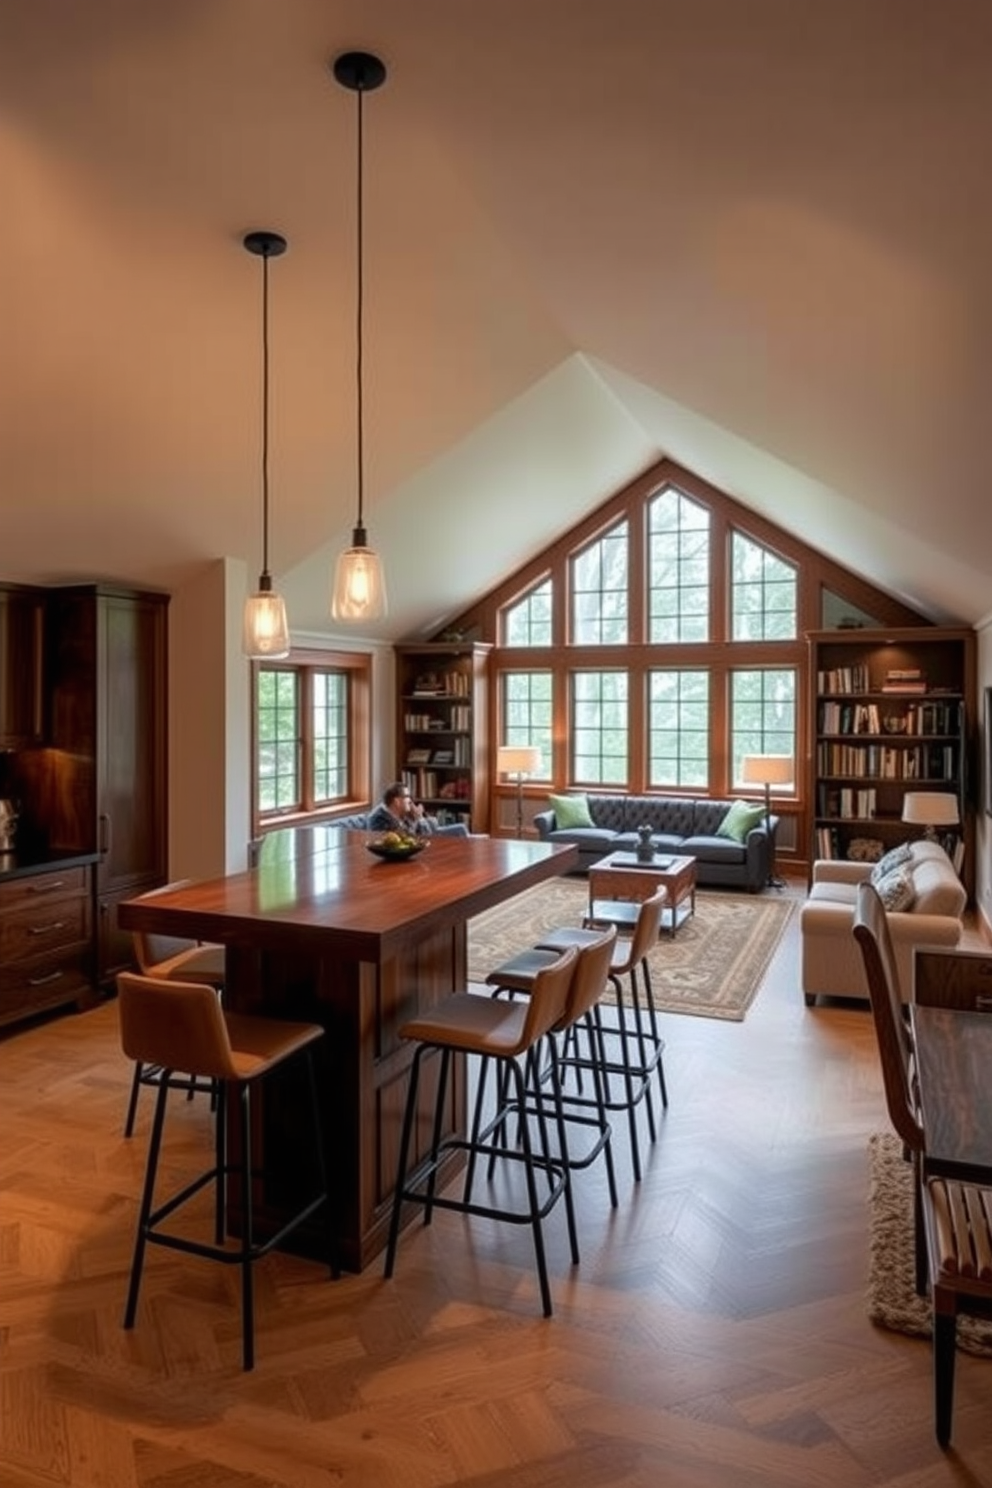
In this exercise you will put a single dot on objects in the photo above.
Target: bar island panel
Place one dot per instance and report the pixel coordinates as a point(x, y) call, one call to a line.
point(324, 931)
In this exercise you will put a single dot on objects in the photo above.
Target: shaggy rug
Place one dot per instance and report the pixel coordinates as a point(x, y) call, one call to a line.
point(713, 967)
point(892, 1299)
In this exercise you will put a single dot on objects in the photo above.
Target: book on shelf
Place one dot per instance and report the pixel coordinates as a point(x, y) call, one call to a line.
point(418, 757)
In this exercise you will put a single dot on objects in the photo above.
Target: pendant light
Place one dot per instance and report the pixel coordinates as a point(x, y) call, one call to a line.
point(359, 586)
point(265, 632)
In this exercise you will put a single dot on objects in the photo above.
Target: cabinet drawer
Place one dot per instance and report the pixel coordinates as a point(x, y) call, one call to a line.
point(19, 893)
point(46, 981)
point(44, 925)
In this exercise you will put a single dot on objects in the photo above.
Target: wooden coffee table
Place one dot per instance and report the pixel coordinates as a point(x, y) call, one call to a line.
point(623, 876)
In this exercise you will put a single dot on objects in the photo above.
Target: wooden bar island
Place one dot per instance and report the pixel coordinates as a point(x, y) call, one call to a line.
point(323, 931)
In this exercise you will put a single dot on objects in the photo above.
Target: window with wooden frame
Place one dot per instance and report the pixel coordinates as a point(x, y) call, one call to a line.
point(311, 735)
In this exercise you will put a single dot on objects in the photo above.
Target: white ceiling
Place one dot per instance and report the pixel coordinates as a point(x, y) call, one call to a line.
point(755, 235)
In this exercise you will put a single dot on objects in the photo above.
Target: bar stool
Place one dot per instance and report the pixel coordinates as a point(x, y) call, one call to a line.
point(172, 957)
point(181, 1028)
point(589, 981)
point(512, 1035)
point(636, 1046)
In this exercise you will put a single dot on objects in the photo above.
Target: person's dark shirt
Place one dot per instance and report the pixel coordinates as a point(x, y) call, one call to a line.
point(382, 819)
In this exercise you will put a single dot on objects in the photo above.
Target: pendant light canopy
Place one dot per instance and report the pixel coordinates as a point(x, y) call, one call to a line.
point(359, 586)
point(265, 632)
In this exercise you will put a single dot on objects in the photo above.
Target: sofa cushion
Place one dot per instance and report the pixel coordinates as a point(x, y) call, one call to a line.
point(894, 858)
point(739, 820)
point(938, 889)
point(896, 890)
point(713, 849)
point(571, 811)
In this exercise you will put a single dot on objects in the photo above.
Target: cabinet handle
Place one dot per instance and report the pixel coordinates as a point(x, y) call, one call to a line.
point(46, 888)
point(48, 929)
point(43, 981)
point(104, 833)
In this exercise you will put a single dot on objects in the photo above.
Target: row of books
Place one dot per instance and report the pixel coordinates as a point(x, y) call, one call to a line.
point(884, 762)
point(847, 802)
point(866, 718)
point(425, 785)
point(904, 679)
point(459, 754)
point(457, 717)
point(453, 683)
point(844, 679)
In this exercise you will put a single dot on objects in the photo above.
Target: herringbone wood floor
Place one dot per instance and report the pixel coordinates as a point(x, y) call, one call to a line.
point(713, 1335)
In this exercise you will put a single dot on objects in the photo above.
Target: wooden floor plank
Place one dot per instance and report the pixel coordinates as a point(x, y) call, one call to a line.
point(714, 1332)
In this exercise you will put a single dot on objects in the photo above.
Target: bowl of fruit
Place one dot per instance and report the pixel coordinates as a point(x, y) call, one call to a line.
point(396, 847)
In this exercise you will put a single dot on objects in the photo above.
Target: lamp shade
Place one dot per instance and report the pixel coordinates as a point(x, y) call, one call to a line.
point(767, 769)
point(518, 759)
point(930, 809)
point(265, 634)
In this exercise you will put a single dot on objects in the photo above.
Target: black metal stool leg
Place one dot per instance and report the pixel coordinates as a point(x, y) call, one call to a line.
point(247, 1289)
point(408, 1114)
point(148, 1192)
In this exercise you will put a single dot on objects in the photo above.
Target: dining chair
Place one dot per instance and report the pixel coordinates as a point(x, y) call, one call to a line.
point(952, 1220)
point(181, 1029)
point(512, 1035)
point(170, 958)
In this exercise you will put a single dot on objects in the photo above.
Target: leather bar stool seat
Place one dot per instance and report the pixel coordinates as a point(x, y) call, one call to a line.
point(181, 1028)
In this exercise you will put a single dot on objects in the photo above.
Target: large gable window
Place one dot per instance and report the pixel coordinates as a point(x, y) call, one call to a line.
point(763, 714)
point(678, 568)
point(763, 593)
point(599, 729)
point(599, 591)
point(678, 729)
point(528, 622)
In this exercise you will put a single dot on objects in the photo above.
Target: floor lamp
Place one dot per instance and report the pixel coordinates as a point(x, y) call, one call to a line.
point(518, 760)
point(768, 770)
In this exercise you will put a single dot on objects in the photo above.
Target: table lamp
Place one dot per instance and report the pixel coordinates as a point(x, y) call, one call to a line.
point(768, 770)
point(930, 810)
point(518, 760)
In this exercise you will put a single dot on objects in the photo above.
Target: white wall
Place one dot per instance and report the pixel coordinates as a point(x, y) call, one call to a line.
point(209, 783)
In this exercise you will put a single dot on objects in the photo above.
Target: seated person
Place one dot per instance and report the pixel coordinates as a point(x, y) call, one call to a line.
point(398, 812)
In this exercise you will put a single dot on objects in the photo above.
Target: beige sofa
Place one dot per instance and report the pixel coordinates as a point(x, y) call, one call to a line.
point(831, 960)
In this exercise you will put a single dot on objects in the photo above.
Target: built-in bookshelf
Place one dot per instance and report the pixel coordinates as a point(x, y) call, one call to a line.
point(441, 716)
point(893, 711)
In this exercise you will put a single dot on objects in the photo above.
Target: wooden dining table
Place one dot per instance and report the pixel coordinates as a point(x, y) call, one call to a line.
point(954, 1075)
point(323, 931)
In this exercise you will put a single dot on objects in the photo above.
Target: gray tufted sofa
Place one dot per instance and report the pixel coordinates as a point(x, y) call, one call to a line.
point(680, 825)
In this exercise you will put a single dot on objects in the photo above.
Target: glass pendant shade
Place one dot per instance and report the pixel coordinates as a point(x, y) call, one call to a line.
point(359, 583)
point(265, 636)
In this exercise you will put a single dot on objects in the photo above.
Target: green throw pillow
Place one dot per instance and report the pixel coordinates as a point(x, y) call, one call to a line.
point(739, 820)
point(571, 811)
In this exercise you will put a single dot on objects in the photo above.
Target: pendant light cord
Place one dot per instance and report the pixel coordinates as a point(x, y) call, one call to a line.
point(360, 538)
point(265, 415)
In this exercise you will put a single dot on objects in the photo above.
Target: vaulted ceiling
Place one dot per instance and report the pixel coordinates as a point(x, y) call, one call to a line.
point(754, 235)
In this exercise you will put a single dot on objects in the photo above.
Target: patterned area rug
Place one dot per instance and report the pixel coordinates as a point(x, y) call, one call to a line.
point(713, 967)
point(892, 1299)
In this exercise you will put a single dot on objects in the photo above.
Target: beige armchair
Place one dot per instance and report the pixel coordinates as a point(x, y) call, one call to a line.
point(832, 964)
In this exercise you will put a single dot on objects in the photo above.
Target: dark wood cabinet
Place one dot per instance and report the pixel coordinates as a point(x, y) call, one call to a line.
point(21, 611)
point(45, 942)
point(106, 728)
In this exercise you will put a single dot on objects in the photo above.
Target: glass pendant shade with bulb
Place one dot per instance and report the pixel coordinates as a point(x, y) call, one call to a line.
point(265, 630)
point(359, 591)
